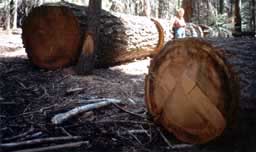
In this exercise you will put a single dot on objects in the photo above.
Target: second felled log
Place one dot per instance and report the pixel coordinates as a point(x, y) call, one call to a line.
point(191, 90)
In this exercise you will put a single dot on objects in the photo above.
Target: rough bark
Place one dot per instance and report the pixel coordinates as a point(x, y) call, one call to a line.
point(122, 37)
point(242, 57)
point(90, 47)
point(189, 79)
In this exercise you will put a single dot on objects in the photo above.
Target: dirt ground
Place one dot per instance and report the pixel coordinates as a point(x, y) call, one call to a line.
point(30, 97)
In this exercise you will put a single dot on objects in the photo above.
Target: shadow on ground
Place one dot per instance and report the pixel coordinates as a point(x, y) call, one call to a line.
point(30, 96)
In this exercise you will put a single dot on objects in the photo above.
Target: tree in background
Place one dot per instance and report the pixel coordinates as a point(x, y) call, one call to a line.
point(236, 15)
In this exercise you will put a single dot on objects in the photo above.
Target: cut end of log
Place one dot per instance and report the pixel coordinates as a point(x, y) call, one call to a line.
point(51, 37)
point(190, 90)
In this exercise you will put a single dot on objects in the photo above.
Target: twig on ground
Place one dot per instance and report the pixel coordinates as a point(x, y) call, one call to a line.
point(89, 101)
point(171, 146)
point(2, 116)
point(134, 131)
point(63, 78)
point(33, 136)
point(126, 121)
point(135, 137)
point(39, 141)
point(43, 109)
point(20, 135)
point(55, 147)
point(74, 90)
point(138, 131)
point(8, 103)
point(60, 118)
point(129, 111)
point(45, 92)
point(131, 100)
point(65, 131)
point(164, 138)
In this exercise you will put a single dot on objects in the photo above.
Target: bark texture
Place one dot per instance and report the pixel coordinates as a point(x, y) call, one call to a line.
point(122, 37)
point(90, 46)
point(192, 91)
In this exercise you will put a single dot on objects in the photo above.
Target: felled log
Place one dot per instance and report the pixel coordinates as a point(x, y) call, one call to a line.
point(192, 91)
point(193, 30)
point(51, 36)
point(210, 32)
point(122, 37)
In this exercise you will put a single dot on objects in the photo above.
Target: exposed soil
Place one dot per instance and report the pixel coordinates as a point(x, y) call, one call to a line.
point(30, 97)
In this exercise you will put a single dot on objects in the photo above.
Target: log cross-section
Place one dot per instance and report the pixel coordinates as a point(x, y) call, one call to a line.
point(51, 37)
point(192, 91)
point(90, 47)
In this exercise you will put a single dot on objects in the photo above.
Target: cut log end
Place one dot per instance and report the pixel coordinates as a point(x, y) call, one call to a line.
point(190, 90)
point(51, 36)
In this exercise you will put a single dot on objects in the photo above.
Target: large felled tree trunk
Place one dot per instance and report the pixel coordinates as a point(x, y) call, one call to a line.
point(192, 91)
point(122, 38)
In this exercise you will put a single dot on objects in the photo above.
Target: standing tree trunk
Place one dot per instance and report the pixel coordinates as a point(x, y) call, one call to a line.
point(163, 9)
point(8, 17)
point(253, 16)
point(221, 6)
point(90, 47)
point(237, 17)
point(147, 8)
point(15, 9)
point(188, 7)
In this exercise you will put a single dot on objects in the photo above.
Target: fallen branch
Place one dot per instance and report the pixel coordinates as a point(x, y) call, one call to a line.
point(127, 122)
point(60, 118)
point(171, 146)
point(55, 147)
point(31, 130)
point(32, 136)
point(129, 112)
point(38, 141)
point(94, 100)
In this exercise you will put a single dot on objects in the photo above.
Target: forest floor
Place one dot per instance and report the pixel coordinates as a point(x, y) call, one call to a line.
point(30, 97)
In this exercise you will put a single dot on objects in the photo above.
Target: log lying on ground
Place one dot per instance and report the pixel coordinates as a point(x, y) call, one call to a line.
point(51, 36)
point(191, 90)
point(122, 37)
